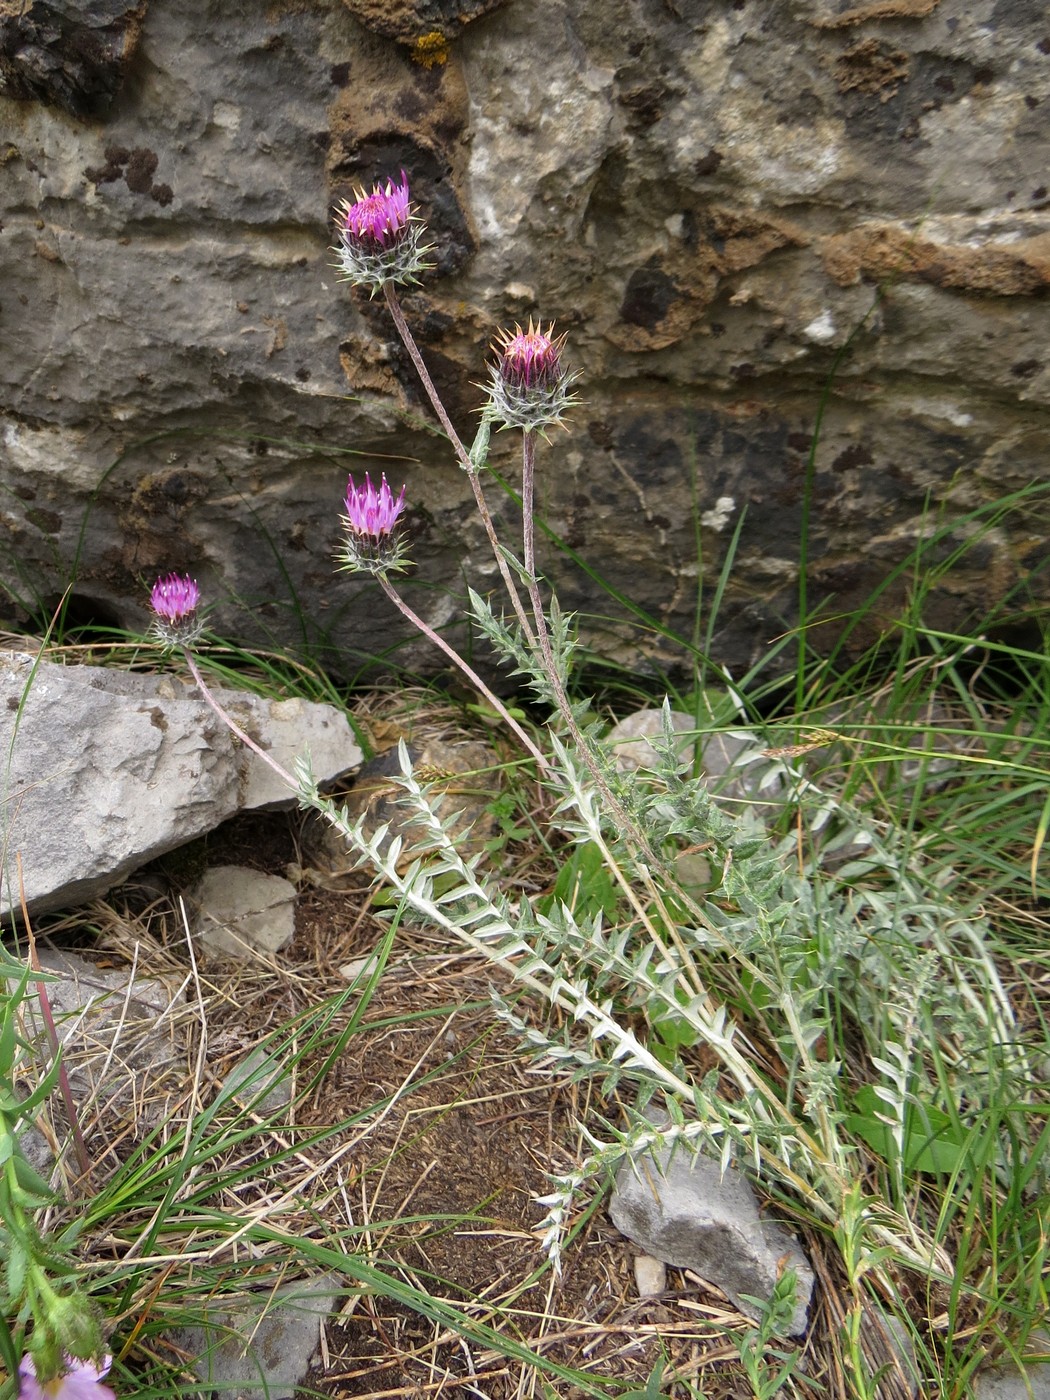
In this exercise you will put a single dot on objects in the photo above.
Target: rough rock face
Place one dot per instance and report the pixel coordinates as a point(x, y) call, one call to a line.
point(106, 769)
point(707, 196)
point(686, 1211)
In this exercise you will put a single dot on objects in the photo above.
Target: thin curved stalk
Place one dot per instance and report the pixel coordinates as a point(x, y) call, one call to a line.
point(475, 680)
point(463, 456)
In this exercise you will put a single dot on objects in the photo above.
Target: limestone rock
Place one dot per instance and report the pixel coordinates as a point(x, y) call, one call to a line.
point(714, 204)
point(68, 54)
point(638, 738)
point(108, 769)
point(240, 912)
point(680, 1208)
point(413, 20)
point(263, 1354)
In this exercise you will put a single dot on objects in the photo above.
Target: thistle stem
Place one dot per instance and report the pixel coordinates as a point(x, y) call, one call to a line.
point(83, 1160)
point(394, 306)
point(232, 724)
point(475, 680)
point(546, 651)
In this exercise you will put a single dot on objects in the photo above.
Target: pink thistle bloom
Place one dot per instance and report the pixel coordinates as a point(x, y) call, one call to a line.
point(79, 1381)
point(370, 518)
point(379, 239)
point(529, 358)
point(372, 512)
point(174, 601)
point(379, 218)
point(529, 388)
point(175, 598)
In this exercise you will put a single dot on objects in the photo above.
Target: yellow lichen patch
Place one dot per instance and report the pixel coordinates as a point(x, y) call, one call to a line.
point(430, 49)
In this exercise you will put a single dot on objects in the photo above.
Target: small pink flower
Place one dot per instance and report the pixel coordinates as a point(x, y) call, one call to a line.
point(371, 546)
point(380, 240)
point(372, 512)
point(378, 219)
point(79, 1381)
point(175, 598)
point(529, 388)
point(529, 359)
point(174, 601)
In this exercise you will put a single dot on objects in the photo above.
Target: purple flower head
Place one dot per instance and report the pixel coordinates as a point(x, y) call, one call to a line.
point(529, 388)
point(79, 1380)
point(379, 240)
point(378, 219)
point(174, 599)
point(371, 544)
point(372, 512)
point(529, 359)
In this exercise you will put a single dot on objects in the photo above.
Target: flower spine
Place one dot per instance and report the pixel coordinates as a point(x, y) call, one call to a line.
point(379, 239)
point(529, 388)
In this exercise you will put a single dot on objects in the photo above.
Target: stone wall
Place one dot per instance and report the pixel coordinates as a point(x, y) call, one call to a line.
point(729, 205)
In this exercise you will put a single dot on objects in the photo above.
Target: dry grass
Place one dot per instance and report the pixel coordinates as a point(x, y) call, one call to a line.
point(416, 1137)
point(438, 1135)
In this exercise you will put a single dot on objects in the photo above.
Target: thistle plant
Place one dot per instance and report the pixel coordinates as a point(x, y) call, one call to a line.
point(789, 982)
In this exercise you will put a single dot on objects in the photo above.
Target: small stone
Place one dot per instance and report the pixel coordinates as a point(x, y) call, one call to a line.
point(637, 739)
point(358, 968)
point(260, 1080)
point(242, 912)
point(693, 871)
point(1030, 1381)
point(263, 1355)
point(464, 774)
point(679, 1207)
point(726, 755)
point(650, 1275)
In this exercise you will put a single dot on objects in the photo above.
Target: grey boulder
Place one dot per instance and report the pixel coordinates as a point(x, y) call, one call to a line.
point(103, 770)
point(681, 1208)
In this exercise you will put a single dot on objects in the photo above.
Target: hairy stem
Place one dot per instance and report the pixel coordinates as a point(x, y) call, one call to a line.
point(83, 1160)
point(394, 306)
point(232, 724)
point(475, 680)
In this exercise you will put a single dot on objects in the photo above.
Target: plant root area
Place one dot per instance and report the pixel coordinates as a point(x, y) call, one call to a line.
point(416, 1137)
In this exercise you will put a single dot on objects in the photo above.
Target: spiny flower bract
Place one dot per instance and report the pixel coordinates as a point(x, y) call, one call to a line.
point(378, 219)
point(379, 240)
point(80, 1380)
point(529, 387)
point(174, 599)
point(371, 544)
